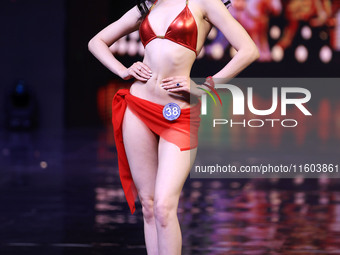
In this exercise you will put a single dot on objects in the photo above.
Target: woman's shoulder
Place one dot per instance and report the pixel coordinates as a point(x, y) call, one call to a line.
point(227, 3)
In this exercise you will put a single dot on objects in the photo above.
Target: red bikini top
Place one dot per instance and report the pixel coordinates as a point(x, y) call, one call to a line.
point(182, 30)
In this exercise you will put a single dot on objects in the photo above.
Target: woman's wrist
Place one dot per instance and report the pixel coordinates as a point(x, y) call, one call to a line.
point(201, 89)
point(123, 73)
point(195, 89)
point(209, 83)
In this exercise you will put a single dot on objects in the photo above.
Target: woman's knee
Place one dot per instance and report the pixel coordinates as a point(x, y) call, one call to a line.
point(165, 210)
point(148, 208)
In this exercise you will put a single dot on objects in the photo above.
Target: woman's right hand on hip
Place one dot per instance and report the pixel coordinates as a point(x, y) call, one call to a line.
point(138, 70)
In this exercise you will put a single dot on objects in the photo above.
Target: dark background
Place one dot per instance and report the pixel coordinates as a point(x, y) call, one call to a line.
point(61, 193)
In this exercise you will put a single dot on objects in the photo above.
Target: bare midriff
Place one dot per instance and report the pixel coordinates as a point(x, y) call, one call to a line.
point(166, 59)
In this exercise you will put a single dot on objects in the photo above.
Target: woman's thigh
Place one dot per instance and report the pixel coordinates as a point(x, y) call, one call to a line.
point(141, 146)
point(173, 169)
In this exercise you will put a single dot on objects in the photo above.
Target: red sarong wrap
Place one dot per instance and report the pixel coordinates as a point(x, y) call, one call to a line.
point(183, 131)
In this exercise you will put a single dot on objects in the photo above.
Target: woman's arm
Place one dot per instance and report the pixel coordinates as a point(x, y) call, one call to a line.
point(100, 43)
point(218, 15)
point(247, 52)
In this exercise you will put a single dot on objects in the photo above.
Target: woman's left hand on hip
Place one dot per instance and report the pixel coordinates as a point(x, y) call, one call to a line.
point(176, 84)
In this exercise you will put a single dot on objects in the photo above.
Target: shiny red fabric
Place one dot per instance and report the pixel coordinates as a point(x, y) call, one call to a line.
point(182, 30)
point(182, 131)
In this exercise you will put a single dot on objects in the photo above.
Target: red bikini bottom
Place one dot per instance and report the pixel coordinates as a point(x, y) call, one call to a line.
point(182, 131)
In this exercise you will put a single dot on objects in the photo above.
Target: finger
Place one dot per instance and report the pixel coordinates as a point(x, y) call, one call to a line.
point(145, 72)
point(146, 68)
point(179, 89)
point(138, 77)
point(171, 87)
point(174, 84)
point(141, 67)
point(142, 74)
point(173, 81)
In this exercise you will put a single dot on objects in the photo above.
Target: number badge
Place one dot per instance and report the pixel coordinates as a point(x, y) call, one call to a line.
point(171, 111)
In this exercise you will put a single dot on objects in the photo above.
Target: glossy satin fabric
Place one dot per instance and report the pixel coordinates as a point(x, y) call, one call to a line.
point(182, 30)
point(183, 131)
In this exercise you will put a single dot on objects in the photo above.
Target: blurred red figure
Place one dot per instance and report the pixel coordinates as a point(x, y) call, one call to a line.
point(254, 17)
point(259, 12)
point(316, 12)
point(334, 24)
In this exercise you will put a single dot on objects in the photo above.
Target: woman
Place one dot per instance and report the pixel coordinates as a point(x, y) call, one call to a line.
point(173, 33)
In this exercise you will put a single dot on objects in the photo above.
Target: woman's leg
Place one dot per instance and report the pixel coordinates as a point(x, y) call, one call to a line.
point(141, 146)
point(173, 169)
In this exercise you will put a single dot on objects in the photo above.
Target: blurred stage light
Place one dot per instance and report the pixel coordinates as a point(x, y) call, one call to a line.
point(21, 107)
point(43, 164)
point(301, 54)
point(275, 32)
point(306, 32)
point(326, 54)
point(134, 36)
point(122, 46)
point(212, 34)
point(298, 180)
point(232, 52)
point(114, 47)
point(141, 49)
point(217, 51)
point(277, 53)
point(132, 48)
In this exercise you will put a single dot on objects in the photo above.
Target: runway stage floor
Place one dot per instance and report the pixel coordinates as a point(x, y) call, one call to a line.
point(60, 194)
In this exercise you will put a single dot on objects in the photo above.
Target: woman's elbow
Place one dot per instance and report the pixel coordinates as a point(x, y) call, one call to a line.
point(250, 53)
point(257, 53)
point(91, 44)
point(254, 53)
